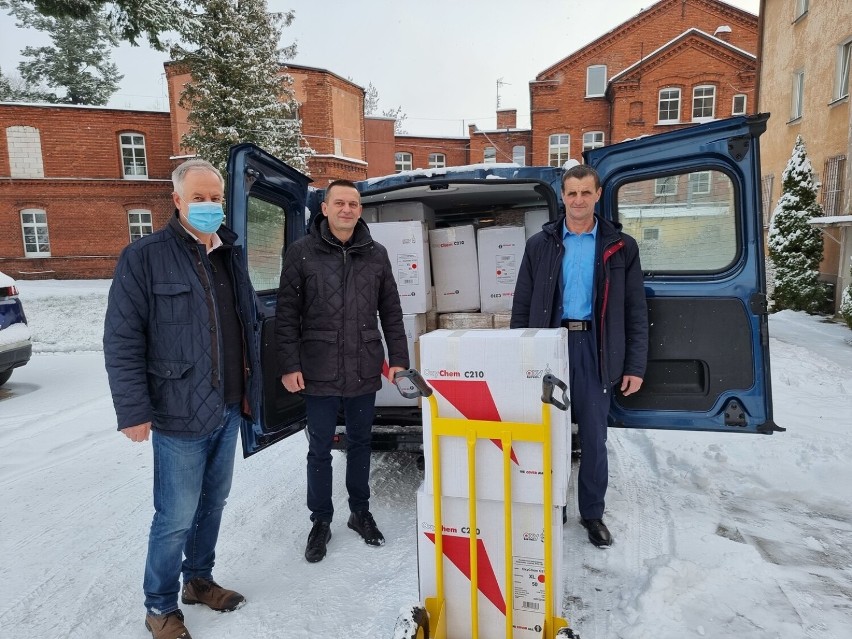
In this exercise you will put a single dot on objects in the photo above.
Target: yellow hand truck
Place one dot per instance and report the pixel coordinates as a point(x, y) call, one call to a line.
point(429, 621)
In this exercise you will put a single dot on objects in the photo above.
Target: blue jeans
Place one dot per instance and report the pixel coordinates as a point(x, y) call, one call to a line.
point(322, 422)
point(192, 479)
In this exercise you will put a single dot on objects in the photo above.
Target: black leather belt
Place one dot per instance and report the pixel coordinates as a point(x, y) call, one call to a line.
point(577, 325)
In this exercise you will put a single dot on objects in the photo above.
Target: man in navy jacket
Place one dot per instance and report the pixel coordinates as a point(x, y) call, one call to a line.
point(180, 354)
point(582, 273)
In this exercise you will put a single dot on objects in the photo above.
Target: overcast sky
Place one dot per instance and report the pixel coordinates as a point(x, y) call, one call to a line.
point(439, 60)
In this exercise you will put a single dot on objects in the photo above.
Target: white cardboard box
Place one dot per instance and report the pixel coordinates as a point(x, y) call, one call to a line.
point(500, 249)
point(407, 212)
point(533, 221)
point(453, 255)
point(388, 395)
point(408, 251)
point(527, 569)
point(496, 375)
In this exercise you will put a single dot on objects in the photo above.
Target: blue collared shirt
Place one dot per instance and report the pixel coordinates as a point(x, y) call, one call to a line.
point(578, 269)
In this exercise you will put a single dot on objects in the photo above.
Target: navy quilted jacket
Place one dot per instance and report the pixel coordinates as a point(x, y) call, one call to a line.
point(326, 324)
point(618, 299)
point(162, 343)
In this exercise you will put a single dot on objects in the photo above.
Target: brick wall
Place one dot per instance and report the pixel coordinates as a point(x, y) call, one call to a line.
point(557, 95)
point(455, 149)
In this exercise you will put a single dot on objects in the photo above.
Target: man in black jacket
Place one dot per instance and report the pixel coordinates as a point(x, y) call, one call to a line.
point(581, 272)
point(179, 351)
point(334, 282)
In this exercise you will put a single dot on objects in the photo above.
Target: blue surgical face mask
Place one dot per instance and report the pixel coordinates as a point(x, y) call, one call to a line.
point(207, 217)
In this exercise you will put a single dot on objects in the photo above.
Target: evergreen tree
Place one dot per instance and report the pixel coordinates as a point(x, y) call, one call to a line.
point(795, 246)
point(129, 19)
point(237, 92)
point(78, 60)
point(846, 304)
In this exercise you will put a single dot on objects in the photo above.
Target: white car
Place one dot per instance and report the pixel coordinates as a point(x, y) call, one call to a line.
point(15, 343)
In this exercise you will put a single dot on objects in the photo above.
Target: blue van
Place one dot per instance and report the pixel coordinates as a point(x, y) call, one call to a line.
point(690, 197)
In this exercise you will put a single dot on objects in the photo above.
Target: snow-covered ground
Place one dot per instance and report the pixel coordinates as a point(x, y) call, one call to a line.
point(716, 535)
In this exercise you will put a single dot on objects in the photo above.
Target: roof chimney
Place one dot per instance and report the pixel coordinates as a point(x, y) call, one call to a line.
point(507, 118)
point(723, 33)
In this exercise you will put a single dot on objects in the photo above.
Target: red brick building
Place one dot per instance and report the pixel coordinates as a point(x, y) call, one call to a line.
point(676, 63)
point(504, 144)
point(77, 184)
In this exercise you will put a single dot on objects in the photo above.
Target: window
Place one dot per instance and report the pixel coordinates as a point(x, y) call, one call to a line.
point(669, 111)
point(703, 103)
point(664, 187)
point(801, 8)
point(140, 224)
point(593, 140)
point(34, 226)
point(558, 149)
point(798, 95)
point(699, 183)
point(832, 189)
point(402, 162)
point(739, 106)
point(437, 160)
point(697, 235)
point(489, 155)
point(844, 59)
point(519, 155)
point(595, 81)
point(766, 184)
point(133, 156)
point(265, 235)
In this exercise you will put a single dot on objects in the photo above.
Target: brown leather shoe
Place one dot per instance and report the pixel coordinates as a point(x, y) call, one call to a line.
point(169, 626)
point(211, 594)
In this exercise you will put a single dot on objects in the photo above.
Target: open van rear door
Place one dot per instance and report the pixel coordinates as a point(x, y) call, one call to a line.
point(691, 198)
point(266, 208)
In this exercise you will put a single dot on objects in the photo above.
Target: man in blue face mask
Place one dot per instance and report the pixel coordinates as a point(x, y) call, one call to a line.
point(180, 355)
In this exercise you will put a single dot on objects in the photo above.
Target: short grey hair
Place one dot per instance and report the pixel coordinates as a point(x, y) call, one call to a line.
point(196, 164)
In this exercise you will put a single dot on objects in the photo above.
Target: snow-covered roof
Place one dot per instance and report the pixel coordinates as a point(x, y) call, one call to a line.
point(342, 158)
point(511, 130)
point(91, 107)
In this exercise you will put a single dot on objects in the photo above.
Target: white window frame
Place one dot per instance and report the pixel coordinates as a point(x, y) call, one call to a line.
point(700, 183)
point(593, 140)
point(844, 61)
point(798, 93)
point(744, 98)
point(403, 161)
point(699, 103)
point(137, 156)
point(489, 155)
point(140, 223)
point(668, 100)
point(558, 149)
point(801, 8)
point(42, 246)
point(519, 155)
point(437, 160)
point(595, 84)
point(666, 187)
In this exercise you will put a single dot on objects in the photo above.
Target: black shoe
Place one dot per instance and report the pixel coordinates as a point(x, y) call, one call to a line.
point(317, 540)
point(364, 524)
point(598, 532)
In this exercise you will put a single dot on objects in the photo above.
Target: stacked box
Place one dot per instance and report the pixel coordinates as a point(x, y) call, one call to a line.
point(527, 570)
point(457, 321)
point(496, 375)
point(454, 264)
point(388, 395)
point(502, 320)
point(500, 250)
point(408, 251)
point(533, 221)
point(407, 212)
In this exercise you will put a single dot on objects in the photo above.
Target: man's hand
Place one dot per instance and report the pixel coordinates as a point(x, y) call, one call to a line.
point(630, 384)
point(293, 382)
point(392, 371)
point(138, 433)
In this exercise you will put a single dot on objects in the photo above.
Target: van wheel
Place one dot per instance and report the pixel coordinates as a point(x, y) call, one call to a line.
point(412, 623)
point(4, 376)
